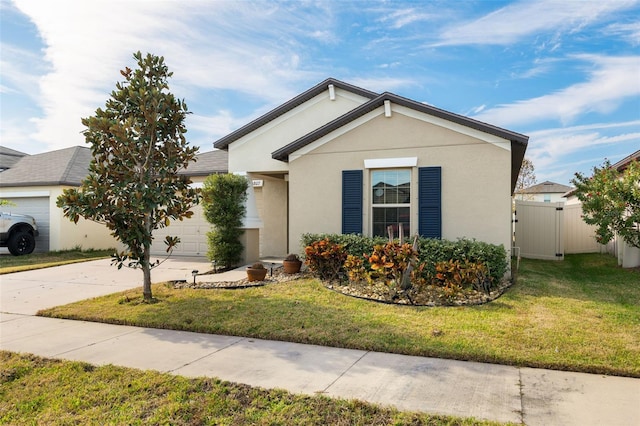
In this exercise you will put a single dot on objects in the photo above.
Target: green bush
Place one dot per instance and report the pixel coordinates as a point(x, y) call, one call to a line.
point(430, 251)
point(223, 198)
point(353, 244)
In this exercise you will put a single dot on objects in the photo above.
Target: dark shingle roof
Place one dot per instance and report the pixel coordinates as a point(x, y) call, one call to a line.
point(224, 142)
point(9, 157)
point(70, 166)
point(67, 166)
point(216, 161)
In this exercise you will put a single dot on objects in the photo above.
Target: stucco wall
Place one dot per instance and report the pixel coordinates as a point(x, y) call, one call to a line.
point(476, 198)
point(252, 153)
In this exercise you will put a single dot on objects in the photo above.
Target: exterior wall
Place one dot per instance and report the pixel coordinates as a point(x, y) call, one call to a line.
point(64, 234)
point(476, 176)
point(274, 205)
point(252, 153)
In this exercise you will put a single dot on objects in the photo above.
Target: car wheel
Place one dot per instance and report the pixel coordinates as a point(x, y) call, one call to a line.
point(21, 243)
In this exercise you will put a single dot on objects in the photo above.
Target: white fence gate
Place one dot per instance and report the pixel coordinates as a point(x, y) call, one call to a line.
point(549, 230)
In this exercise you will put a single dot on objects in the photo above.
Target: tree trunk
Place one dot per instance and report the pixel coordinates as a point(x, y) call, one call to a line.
point(146, 267)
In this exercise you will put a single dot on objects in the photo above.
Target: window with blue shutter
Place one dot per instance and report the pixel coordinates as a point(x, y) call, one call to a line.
point(352, 201)
point(430, 202)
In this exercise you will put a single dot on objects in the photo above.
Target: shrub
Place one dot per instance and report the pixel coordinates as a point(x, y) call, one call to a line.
point(388, 261)
point(353, 244)
point(223, 198)
point(494, 257)
point(326, 259)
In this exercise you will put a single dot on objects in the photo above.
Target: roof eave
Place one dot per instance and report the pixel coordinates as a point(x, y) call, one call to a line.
point(224, 142)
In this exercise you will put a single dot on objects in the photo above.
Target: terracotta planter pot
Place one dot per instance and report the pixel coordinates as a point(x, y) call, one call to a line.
point(291, 266)
point(256, 274)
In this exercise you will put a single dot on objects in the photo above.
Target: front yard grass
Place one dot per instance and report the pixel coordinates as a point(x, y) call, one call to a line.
point(580, 314)
point(9, 264)
point(36, 390)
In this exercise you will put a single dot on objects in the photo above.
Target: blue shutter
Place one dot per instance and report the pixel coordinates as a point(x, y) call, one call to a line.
point(352, 201)
point(430, 202)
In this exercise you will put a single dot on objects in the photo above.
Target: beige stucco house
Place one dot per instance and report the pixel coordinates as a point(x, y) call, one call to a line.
point(342, 159)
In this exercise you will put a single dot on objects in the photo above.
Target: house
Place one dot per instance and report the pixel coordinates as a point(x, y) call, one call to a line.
point(34, 182)
point(342, 159)
point(9, 157)
point(192, 231)
point(548, 192)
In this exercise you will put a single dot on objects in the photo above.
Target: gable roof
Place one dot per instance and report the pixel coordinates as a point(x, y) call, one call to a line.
point(70, 166)
point(518, 141)
point(546, 187)
point(67, 166)
point(624, 163)
point(224, 142)
point(9, 157)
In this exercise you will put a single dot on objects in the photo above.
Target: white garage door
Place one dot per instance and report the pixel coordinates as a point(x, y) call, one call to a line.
point(192, 233)
point(38, 207)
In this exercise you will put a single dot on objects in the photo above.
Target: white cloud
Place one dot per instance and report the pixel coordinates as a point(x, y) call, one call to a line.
point(612, 80)
point(247, 47)
point(515, 21)
point(557, 148)
point(630, 32)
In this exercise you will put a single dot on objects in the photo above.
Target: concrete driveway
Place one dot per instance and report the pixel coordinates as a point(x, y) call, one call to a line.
point(29, 291)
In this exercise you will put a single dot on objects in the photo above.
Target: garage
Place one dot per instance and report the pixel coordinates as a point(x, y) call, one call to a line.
point(38, 207)
point(192, 233)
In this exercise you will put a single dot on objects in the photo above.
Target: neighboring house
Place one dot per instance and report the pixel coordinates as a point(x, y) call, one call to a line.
point(33, 184)
point(547, 192)
point(9, 157)
point(341, 159)
point(192, 231)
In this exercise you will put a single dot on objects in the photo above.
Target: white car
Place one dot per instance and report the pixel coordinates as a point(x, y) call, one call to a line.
point(18, 232)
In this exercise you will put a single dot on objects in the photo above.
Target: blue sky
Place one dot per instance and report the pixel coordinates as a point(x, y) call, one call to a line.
point(566, 73)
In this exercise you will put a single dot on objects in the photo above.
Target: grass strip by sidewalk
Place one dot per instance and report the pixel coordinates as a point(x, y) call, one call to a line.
point(10, 264)
point(580, 314)
point(36, 390)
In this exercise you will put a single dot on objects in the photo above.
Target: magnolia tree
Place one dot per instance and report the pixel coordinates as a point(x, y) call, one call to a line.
point(138, 147)
point(611, 201)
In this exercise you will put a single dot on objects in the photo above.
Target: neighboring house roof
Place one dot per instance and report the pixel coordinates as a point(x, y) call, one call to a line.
point(216, 161)
point(67, 166)
point(70, 166)
point(624, 163)
point(224, 142)
point(9, 157)
point(546, 187)
point(619, 166)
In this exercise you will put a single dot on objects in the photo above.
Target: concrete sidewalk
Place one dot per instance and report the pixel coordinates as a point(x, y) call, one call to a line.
point(468, 389)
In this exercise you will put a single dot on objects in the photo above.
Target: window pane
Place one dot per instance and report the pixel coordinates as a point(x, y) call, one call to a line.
point(391, 216)
point(391, 186)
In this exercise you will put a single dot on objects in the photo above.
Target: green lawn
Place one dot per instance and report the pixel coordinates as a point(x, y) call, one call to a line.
point(580, 314)
point(9, 264)
point(42, 391)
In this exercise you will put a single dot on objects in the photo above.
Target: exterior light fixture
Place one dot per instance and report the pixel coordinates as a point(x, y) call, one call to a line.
point(194, 273)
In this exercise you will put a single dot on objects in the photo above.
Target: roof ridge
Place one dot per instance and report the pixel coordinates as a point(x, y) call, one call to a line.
point(314, 91)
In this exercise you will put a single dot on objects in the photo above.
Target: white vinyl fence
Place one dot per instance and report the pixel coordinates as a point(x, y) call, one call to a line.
point(551, 230)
